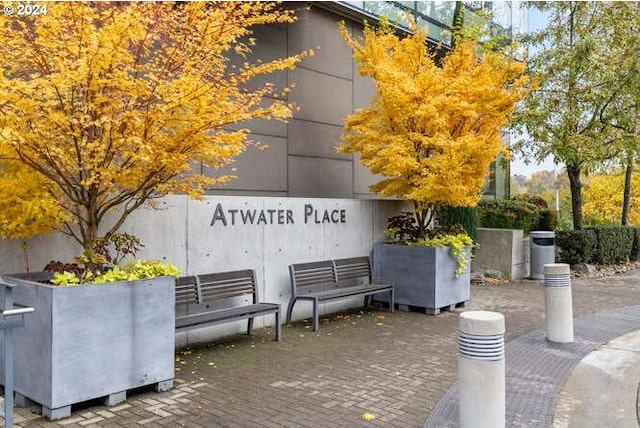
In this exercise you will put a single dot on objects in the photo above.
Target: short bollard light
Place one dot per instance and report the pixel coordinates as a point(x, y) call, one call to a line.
point(481, 370)
point(558, 302)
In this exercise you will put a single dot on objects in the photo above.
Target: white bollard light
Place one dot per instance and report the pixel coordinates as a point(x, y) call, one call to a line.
point(481, 370)
point(558, 302)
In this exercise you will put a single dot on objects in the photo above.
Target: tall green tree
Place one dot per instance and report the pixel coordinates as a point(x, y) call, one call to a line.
point(562, 118)
point(622, 112)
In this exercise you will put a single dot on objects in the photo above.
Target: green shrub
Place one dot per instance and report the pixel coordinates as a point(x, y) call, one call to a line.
point(615, 244)
point(135, 270)
point(577, 246)
point(457, 243)
point(532, 198)
point(599, 245)
point(635, 249)
point(527, 212)
point(467, 217)
point(507, 214)
point(547, 220)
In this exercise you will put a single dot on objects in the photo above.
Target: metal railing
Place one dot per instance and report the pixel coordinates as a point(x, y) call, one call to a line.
point(11, 316)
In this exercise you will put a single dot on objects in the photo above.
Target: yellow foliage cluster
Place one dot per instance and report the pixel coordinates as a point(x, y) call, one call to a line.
point(107, 106)
point(432, 129)
point(28, 208)
point(603, 198)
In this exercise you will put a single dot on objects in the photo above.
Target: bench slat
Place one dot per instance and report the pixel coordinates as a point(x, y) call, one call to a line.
point(221, 292)
point(313, 273)
point(187, 290)
point(225, 315)
point(349, 291)
point(353, 268)
point(226, 284)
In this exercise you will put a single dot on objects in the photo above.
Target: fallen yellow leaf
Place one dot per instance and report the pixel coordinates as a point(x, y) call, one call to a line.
point(368, 417)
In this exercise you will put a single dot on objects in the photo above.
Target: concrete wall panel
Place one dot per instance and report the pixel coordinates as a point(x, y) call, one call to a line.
point(364, 89)
point(271, 44)
point(40, 250)
point(315, 139)
point(318, 30)
point(162, 230)
point(256, 169)
point(363, 178)
point(320, 178)
point(321, 97)
point(274, 128)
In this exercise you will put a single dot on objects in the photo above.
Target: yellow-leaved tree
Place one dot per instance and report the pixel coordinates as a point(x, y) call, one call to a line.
point(108, 106)
point(603, 198)
point(432, 129)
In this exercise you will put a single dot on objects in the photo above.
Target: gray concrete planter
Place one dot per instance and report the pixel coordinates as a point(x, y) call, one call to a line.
point(501, 250)
point(423, 277)
point(93, 341)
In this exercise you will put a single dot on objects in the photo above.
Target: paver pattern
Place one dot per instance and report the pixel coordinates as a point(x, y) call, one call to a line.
point(394, 367)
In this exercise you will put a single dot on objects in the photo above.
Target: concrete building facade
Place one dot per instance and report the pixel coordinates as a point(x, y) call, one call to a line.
point(302, 160)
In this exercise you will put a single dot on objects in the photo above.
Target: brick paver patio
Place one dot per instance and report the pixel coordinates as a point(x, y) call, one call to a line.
point(395, 367)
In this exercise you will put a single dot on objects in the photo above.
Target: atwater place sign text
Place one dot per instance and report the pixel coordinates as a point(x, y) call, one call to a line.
point(279, 216)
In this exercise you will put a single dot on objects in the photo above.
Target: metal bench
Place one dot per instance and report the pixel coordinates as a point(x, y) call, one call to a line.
point(329, 280)
point(216, 298)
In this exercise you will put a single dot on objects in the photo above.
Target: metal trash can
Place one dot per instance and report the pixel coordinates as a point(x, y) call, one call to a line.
point(543, 251)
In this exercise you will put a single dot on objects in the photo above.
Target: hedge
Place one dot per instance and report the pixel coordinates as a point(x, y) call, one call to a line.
point(599, 245)
point(507, 214)
point(467, 217)
point(635, 250)
point(577, 246)
point(526, 212)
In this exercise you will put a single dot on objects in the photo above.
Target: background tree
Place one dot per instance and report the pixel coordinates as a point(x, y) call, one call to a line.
point(552, 187)
point(603, 197)
point(541, 181)
point(562, 117)
point(431, 130)
point(622, 111)
point(105, 107)
point(517, 183)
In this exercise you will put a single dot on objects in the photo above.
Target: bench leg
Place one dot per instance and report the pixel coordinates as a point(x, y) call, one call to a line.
point(316, 316)
point(278, 327)
point(249, 326)
point(392, 302)
point(290, 310)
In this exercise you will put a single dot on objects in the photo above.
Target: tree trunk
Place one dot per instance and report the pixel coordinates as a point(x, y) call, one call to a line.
point(573, 171)
point(421, 219)
point(457, 23)
point(626, 195)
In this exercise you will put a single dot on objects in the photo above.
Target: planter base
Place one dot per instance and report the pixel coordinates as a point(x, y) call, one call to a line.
point(65, 411)
point(434, 311)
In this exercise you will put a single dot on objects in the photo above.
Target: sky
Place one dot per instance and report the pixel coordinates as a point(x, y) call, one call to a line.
point(536, 20)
